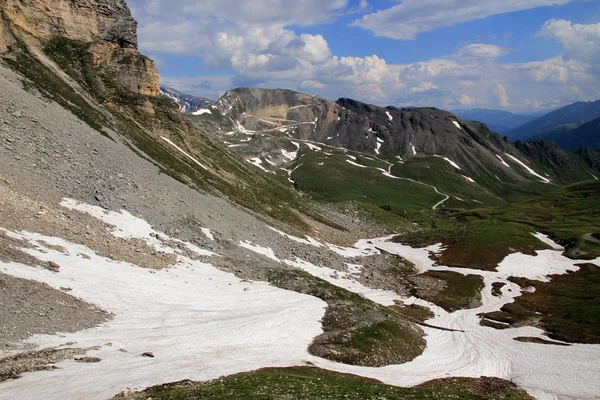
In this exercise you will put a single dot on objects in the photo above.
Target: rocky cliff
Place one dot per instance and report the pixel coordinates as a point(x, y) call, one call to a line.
point(107, 25)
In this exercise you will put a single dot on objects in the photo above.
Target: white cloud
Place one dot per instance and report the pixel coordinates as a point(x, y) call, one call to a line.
point(411, 17)
point(502, 96)
point(466, 100)
point(260, 49)
point(580, 42)
point(483, 50)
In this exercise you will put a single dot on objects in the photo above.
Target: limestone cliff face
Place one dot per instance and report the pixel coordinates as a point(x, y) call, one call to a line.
point(107, 24)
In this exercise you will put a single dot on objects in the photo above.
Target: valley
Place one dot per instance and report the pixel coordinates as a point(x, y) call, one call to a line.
point(273, 244)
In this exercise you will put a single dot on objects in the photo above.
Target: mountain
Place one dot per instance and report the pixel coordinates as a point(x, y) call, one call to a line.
point(140, 245)
point(497, 120)
point(187, 103)
point(296, 137)
point(573, 137)
point(564, 118)
point(590, 156)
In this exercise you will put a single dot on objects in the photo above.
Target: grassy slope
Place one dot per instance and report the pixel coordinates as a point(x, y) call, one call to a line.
point(483, 237)
point(313, 383)
point(338, 181)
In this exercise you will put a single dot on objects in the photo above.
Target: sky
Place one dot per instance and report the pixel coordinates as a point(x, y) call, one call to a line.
point(515, 55)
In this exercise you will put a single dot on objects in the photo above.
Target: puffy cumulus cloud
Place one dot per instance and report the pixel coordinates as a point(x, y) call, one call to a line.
point(263, 51)
point(474, 77)
point(558, 71)
point(502, 96)
point(466, 100)
point(423, 87)
point(483, 50)
point(580, 42)
point(411, 17)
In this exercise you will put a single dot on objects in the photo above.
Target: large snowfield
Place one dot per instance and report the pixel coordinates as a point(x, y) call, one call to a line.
point(201, 323)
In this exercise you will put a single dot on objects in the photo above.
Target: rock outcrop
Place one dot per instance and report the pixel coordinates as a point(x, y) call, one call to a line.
point(107, 24)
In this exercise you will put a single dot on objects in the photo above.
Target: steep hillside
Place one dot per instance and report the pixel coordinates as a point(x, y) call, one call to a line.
point(497, 120)
point(574, 137)
point(573, 114)
point(591, 157)
point(187, 103)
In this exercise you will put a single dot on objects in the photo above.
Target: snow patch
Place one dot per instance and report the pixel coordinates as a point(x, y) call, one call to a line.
point(468, 179)
point(188, 315)
point(457, 124)
point(290, 155)
point(184, 153)
point(503, 162)
point(356, 164)
point(389, 115)
point(202, 111)
point(455, 165)
point(532, 172)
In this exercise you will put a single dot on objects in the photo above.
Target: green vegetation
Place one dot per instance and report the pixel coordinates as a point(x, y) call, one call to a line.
point(340, 181)
point(357, 331)
point(481, 238)
point(459, 292)
point(567, 307)
point(298, 383)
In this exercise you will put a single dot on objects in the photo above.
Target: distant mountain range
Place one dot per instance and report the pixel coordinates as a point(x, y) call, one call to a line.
point(497, 120)
point(573, 137)
point(187, 103)
point(559, 122)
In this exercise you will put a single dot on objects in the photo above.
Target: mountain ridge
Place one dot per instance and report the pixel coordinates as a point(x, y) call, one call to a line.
point(497, 120)
point(577, 113)
point(187, 103)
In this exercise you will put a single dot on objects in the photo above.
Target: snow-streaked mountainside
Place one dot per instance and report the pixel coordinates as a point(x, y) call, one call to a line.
point(273, 128)
point(565, 118)
point(187, 103)
point(274, 231)
point(497, 120)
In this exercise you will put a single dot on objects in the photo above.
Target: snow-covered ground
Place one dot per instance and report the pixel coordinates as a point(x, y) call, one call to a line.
point(202, 323)
point(199, 322)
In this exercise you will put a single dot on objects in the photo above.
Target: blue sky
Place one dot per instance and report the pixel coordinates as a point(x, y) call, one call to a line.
point(518, 55)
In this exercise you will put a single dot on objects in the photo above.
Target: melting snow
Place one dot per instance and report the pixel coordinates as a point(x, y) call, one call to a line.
point(313, 147)
point(503, 162)
point(532, 172)
point(188, 315)
point(389, 115)
point(457, 124)
point(455, 165)
point(207, 233)
point(469, 179)
point(182, 151)
point(258, 162)
point(290, 155)
point(358, 165)
point(414, 151)
point(202, 111)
